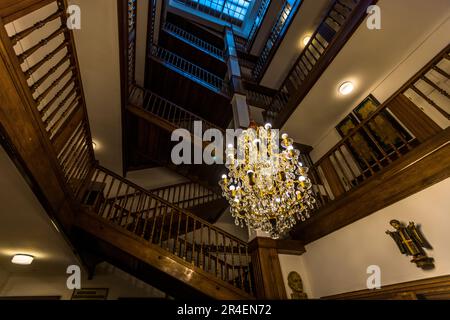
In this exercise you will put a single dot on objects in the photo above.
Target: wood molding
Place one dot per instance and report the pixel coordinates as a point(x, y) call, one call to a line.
point(437, 288)
point(420, 124)
point(424, 166)
point(293, 247)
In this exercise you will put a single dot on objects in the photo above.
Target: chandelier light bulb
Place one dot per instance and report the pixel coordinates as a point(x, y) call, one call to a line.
point(268, 126)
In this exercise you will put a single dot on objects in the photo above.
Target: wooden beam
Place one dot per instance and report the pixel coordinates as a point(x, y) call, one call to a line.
point(433, 288)
point(421, 168)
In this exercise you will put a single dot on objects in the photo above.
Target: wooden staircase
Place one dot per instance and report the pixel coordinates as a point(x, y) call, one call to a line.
point(132, 227)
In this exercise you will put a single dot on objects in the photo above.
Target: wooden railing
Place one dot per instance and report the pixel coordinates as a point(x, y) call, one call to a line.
point(164, 109)
point(169, 227)
point(322, 41)
point(388, 132)
point(186, 195)
point(190, 70)
point(194, 40)
point(283, 21)
point(46, 60)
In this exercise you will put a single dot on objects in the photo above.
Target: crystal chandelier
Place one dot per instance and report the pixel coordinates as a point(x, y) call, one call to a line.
point(266, 188)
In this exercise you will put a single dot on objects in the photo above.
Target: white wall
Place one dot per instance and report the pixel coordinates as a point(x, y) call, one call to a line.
point(338, 262)
point(120, 285)
point(97, 46)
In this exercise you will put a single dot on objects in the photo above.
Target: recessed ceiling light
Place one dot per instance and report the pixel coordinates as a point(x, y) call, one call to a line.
point(346, 88)
point(306, 40)
point(23, 259)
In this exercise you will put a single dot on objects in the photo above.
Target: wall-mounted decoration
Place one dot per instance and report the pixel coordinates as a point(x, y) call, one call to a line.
point(386, 130)
point(411, 242)
point(296, 284)
point(90, 294)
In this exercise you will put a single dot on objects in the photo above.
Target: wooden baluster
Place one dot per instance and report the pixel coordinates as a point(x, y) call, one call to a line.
point(162, 225)
point(70, 95)
point(122, 204)
point(217, 253)
point(155, 219)
point(201, 260)
point(177, 248)
point(430, 101)
point(29, 72)
point(50, 72)
point(344, 175)
point(54, 84)
point(113, 202)
point(225, 256)
point(71, 108)
point(170, 229)
point(185, 237)
point(41, 43)
point(135, 213)
point(233, 274)
point(44, 110)
point(193, 242)
point(241, 267)
point(353, 175)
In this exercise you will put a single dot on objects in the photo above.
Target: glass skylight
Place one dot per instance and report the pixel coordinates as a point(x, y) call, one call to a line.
point(236, 9)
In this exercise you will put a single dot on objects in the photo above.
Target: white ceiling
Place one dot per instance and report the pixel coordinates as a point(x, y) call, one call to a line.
point(307, 19)
point(367, 59)
point(26, 228)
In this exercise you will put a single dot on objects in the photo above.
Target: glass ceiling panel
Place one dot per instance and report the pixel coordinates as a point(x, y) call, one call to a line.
point(236, 9)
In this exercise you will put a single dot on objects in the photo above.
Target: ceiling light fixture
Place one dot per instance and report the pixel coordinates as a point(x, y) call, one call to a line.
point(267, 188)
point(306, 40)
point(94, 145)
point(22, 259)
point(346, 88)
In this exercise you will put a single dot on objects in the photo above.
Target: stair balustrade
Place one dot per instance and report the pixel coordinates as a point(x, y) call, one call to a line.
point(194, 40)
point(170, 227)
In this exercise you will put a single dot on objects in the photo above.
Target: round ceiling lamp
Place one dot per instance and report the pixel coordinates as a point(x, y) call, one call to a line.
point(346, 88)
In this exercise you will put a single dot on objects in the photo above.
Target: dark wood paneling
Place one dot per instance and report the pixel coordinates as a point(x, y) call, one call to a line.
point(402, 179)
point(332, 177)
point(421, 125)
point(267, 274)
point(427, 289)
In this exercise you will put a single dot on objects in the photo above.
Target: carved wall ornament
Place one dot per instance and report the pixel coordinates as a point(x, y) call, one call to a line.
point(296, 284)
point(411, 242)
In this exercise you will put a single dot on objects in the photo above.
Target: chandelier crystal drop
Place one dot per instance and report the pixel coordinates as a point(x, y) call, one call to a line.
point(267, 188)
